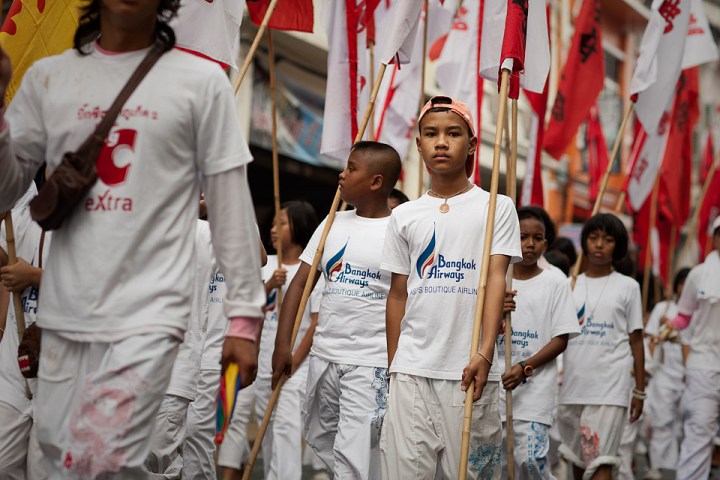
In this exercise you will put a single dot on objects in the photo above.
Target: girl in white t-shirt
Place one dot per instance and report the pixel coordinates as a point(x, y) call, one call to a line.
point(598, 362)
point(282, 444)
point(543, 320)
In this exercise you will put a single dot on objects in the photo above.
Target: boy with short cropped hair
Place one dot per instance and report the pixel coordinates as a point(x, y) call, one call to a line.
point(596, 384)
point(346, 393)
point(434, 248)
point(543, 320)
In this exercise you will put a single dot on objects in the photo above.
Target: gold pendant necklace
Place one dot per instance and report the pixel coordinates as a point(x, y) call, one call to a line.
point(444, 207)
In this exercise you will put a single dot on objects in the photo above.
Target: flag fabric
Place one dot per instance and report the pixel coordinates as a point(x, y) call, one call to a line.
point(399, 96)
point(347, 91)
point(225, 401)
point(710, 207)
point(288, 14)
point(499, 16)
point(645, 158)
point(210, 29)
point(676, 166)
point(457, 71)
point(34, 29)
point(532, 187)
point(581, 82)
point(598, 158)
point(699, 47)
point(660, 61)
point(397, 46)
point(641, 231)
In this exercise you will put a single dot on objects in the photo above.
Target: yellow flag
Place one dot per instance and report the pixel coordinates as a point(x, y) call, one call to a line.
point(34, 29)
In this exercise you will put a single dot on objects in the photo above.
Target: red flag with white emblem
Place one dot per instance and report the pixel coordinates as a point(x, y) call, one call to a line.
point(710, 208)
point(288, 14)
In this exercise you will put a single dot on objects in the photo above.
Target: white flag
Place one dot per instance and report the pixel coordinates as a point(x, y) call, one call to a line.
point(398, 100)
point(660, 61)
point(646, 157)
point(210, 28)
point(537, 45)
point(347, 90)
point(398, 41)
point(699, 47)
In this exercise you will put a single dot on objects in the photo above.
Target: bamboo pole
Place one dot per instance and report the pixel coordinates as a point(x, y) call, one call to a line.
point(421, 164)
point(621, 202)
point(254, 46)
point(648, 246)
point(309, 284)
point(511, 188)
point(484, 269)
point(275, 159)
point(17, 297)
point(603, 185)
point(371, 51)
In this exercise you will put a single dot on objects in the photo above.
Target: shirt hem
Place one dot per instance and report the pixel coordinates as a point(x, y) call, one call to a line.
point(350, 361)
point(492, 377)
point(228, 163)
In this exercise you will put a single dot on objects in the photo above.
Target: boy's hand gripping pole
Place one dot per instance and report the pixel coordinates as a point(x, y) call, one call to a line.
point(309, 284)
point(484, 269)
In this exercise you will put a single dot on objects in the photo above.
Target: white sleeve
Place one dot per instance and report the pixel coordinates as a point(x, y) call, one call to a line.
point(634, 308)
point(22, 143)
point(316, 296)
point(506, 236)
point(308, 254)
point(653, 324)
point(564, 317)
point(396, 252)
point(234, 237)
point(688, 300)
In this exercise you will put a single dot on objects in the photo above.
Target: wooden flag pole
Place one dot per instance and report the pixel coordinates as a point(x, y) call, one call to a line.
point(484, 269)
point(309, 284)
point(421, 164)
point(254, 45)
point(648, 246)
point(695, 219)
point(603, 185)
point(371, 51)
point(621, 202)
point(511, 188)
point(17, 297)
point(275, 155)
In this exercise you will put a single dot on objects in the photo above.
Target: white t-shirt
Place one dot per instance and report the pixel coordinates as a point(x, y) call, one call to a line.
point(270, 326)
point(351, 322)
point(598, 362)
point(121, 261)
point(669, 368)
point(441, 253)
point(701, 298)
point(544, 310)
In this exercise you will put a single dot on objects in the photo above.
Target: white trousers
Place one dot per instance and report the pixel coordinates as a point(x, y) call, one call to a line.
point(626, 451)
point(20, 455)
point(532, 444)
point(422, 432)
point(701, 404)
point(199, 449)
point(343, 413)
point(166, 457)
point(663, 406)
point(97, 403)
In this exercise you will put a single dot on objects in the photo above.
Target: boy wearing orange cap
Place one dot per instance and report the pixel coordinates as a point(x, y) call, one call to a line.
point(434, 248)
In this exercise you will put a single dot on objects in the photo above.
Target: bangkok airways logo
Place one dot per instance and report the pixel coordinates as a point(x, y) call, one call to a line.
point(334, 265)
point(271, 301)
point(581, 315)
point(427, 257)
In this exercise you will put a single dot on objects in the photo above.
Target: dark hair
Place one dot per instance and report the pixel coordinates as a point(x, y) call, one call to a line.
point(441, 110)
point(680, 277)
point(526, 212)
point(386, 161)
point(550, 232)
point(558, 259)
point(565, 246)
point(611, 225)
point(399, 196)
point(302, 219)
point(89, 25)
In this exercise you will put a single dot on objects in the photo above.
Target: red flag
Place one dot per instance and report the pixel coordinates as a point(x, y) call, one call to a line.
point(640, 232)
point(532, 187)
point(598, 158)
point(710, 207)
point(581, 82)
point(513, 45)
point(288, 14)
point(665, 230)
point(675, 171)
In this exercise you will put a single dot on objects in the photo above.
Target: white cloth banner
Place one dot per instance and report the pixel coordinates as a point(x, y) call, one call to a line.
point(526, 191)
point(210, 28)
point(646, 157)
point(660, 61)
point(398, 45)
point(537, 45)
point(700, 46)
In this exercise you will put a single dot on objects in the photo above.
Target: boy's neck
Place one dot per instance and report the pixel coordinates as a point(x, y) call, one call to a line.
point(291, 254)
point(526, 272)
point(372, 207)
point(116, 39)
point(446, 186)
point(596, 271)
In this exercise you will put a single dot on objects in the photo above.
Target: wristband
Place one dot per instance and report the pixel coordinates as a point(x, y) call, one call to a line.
point(639, 394)
point(486, 358)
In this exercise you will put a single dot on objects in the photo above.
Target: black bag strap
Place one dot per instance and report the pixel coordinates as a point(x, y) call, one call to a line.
point(97, 138)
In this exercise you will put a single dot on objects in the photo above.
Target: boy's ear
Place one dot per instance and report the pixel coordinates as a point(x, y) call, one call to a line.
point(473, 145)
point(417, 144)
point(376, 182)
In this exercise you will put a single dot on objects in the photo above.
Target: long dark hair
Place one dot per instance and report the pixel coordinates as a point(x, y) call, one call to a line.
point(89, 25)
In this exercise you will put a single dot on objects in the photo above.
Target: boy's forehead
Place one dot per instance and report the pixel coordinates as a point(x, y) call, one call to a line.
point(442, 119)
point(530, 222)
